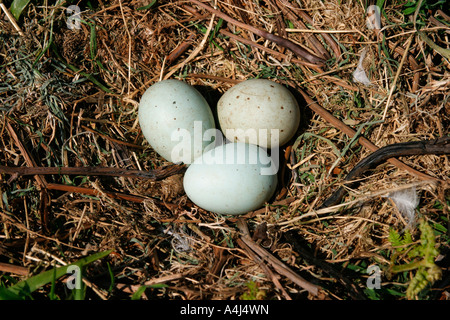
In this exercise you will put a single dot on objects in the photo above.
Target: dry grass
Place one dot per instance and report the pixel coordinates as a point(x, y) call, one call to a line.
point(85, 114)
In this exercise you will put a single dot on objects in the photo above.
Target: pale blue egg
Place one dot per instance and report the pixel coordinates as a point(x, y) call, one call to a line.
point(174, 117)
point(234, 179)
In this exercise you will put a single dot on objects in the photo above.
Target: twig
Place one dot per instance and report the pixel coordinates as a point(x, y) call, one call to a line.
point(38, 236)
point(279, 266)
point(29, 160)
point(195, 52)
point(178, 51)
point(212, 77)
point(362, 141)
point(299, 51)
point(268, 50)
point(220, 258)
point(94, 192)
point(438, 146)
point(304, 30)
point(125, 143)
point(133, 288)
point(129, 45)
point(412, 62)
point(7, 267)
point(39, 179)
point(311, 39)
point(110, 194)
point(334, 46)
point(305, 252)
point(394, 83)
point(251, 214)
point(364, 198)
point(443, 15)
point(157, 174)
point(11, 19)
point(264, 267)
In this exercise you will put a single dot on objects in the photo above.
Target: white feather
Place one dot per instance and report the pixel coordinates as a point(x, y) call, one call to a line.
point(359, 75)
point(180, 240)
point(406, 202)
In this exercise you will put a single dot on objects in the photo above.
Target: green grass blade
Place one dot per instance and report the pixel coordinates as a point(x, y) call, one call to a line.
point(111, 276)
point(442, 51)
point(17, 6)
point(79, 293)
point(5, 294)
point(88, 76)
point(52, 295)
point(93, 43)
point(140, 291)
point(23, 289)
point(137, 295)
point(151, 4)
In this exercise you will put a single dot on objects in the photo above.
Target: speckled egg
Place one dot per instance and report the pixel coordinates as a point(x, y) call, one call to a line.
point(173, 117)
point(231, 179)
point(259, 111)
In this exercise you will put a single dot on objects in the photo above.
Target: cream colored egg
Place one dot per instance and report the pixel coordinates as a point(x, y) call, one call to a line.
point(259, 111)
point(174, 118)
point(234, 179)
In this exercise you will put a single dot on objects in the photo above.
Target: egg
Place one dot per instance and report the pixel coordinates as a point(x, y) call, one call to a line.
point(174, 118)
point(259, 111)
point(231, 179)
